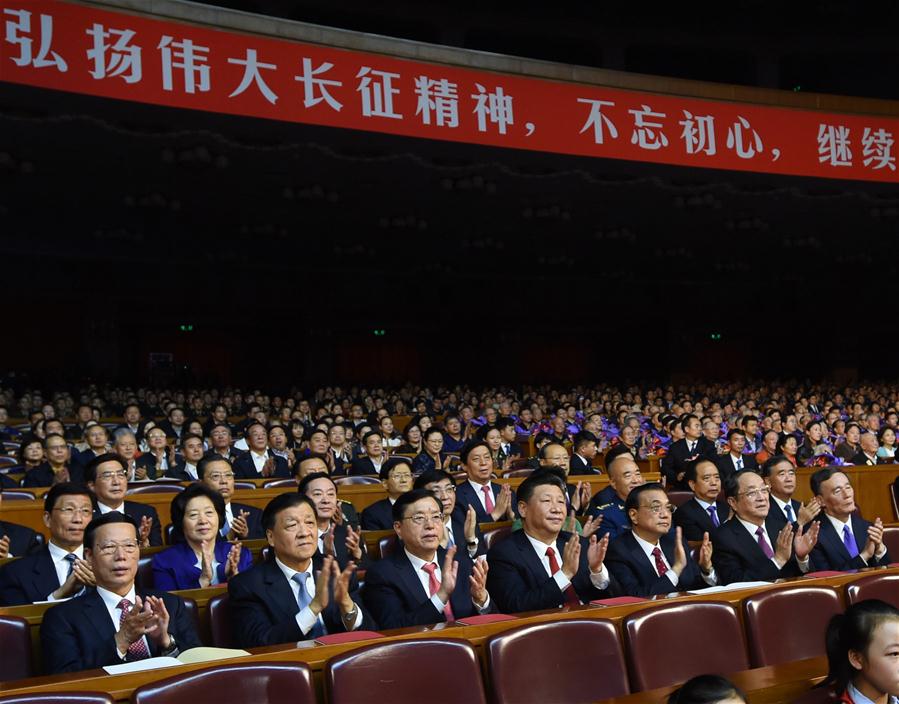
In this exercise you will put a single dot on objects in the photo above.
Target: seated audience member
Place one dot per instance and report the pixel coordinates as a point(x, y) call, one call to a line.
point(609, 504)
point(693, 446)
point(339, 540)
point(16, 540)
point(541, 567)
point(220, 438)
point(124, 444)
point(83, 415)
point(707, 689)
point(218, 417)
point(788, 446)
point(811, 441)
point(199, 557)
point(57, 570)
point(338, 449)
point(780, 476)
point(649, 559)
point(296, 594)
point(456, 531)
point(452, 437)
point(704, 512)
point(242, 521)
point(508, 448)
point(185, 469)
point(886, 453)
point(56, 467)
point(431, 456)
point(158, 459)
point(584, 451)
point(107, 478)
point(174, 424)
point(750, 427)
point(374, 458)
point(422, 583)
point(396, 476)
point(133, 422)
point(846, 541)
point(309, 464)
point(114, 622)
point(259, 461)
point(867, 454)
point(748, 547)
point(551, 454)
point(862, 643)
point(30, 453)
point(770, 438)
point(278, 444)
point(735, 460)
point(97, 439)
point(491, 501)
point(850, 447)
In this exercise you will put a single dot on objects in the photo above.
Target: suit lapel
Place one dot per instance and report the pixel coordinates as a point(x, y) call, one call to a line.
point(407, 574)
point(647, 574)
point(94, 610)
point(279, 594)
point(45, 573)
point(750, 545)
point(529, 557)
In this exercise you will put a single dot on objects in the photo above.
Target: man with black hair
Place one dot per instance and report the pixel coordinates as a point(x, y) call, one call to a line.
point(422, 583)
point(735, 460)
point(242, 521)
point(259, 461)
point(185, 469)
point(114, 622)
point(396, 477)
point(508, 448)
point(220, 436)
point(780, 476)
point(456, 531)
point(339, 540)
point(693, 446)
point(107, 477)
point(133, 421)
point(704, 513)
point(374, 458)
point(491, 501)
point(584, 451)
point(16, 540)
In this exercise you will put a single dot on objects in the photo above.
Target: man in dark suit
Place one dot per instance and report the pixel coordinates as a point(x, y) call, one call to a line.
point(396, 476)
point(846, 541)
point(609, 504)
point(107, 477)
point(374, 458)
point(689, 449)
point(133, 421)
point(259, 461)
point(735, 461)
point(174, 424)
point(114, 622)
point(97, 439)
point(703, 513)
point(541, 567)
point(584, 452)
point(220, 443)
point(421, 583)
point(57, 570)
point(491, 501)
point(16, 540)
point(340, 540)
point(242, 521)
point(748, 548)
point(508, 448)
point(83, 416)
point(282, 600)
point(185, 469)
point(867, 454)
point(780, 476)
point(456, 531)
point(649, 558)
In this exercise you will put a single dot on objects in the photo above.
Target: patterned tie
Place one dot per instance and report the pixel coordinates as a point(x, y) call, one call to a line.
point(713, 514)
point(488, 498)
point(660, 563)
point(849, 542)
point(434, 587)
point(763, 543)
point(449, 535)
point(788, 509)
point(138, 649)
point(571, 597)
point(304, 599)
point(70, 558)
point(739, 464)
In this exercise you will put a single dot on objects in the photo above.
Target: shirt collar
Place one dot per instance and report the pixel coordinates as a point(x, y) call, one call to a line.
point(289, 572)
point(646, 546)
point(112, 600)
point(752, 528)
point(417, 562)
point(59, 554)
point(705, 504)
point(839, 525)
point(104, 508)
point(539, 546)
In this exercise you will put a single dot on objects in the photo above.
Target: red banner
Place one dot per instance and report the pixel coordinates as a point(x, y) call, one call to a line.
point(58, 45)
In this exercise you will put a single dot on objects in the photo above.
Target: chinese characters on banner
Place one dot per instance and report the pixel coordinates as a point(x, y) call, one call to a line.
point(57, 45)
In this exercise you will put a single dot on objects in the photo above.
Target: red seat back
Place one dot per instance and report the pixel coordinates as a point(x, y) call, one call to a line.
point(15, 635)
point(874, 586)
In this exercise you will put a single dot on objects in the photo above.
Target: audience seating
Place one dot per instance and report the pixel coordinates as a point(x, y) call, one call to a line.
point(387, 545)
point(894, 498)
point(155, 489)
point(276, 483)
point(144, 577)
point(890, 539)
point(220, 622)
point(788, 623)
point(58, 698)
point(8, 461)
point(566, 673)
point(343, 481)
point(874, 586)
point(407, 672)
point(679, 498)
point(523, 472)
point(15, 634)
point(492, 537)
point(260, 683)
point(662, 643)
point(17, 495)
point(245, 485)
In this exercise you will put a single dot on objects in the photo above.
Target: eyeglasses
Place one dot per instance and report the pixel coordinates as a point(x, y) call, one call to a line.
point(106, 476)
point(421, 519)
point(753, 494)
point(129, 547)
point(218, 476)
point(69, 511)
point(656, 507)
point(444, 491)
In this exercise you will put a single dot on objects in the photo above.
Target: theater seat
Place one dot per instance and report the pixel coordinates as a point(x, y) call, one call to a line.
point(894, 497)
point(155, 489)
point(245, 485)
point(414, 671)
point(492, 537)
point(58, 698)
point(566, 673)
point(679, 498)
point(788, 623)
point(662, 643)
point(16, 638)
point(259, 682)
point(357, 479)
point(220, 622)
point(191, 606)
point(521, 472)
point(144, 577)
point(890, 539)
point(276, 483)
point(874, 586)
point(17, 495)
point(387, 545)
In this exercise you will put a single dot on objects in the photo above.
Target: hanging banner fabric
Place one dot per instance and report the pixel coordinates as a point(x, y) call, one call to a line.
point(63, 46)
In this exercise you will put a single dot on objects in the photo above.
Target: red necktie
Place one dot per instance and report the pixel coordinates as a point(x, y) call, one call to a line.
point(488, 498)
point(660, 563)
point(138, 649)
point(434, 587)
point(571, 597)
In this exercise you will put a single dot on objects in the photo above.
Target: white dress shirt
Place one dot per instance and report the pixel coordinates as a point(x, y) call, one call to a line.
point(60, 564)
point(191, 470)
point(711, 578)
point(305, 618)
point(782, 506)
point(104, 509)
point(600, 579)
point(111, 602)
point(478, 490)
point(425, 579)
point(838, 526)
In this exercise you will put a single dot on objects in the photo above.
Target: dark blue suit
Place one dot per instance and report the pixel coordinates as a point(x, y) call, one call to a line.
point(362, 466)
point(466, 496)
point(776, 514)
point(42, 475)
point(79, 635)
point(378, 516)
point(254, 520)
point(636, 574)
point(22, 541)
point(137, 511)
point(738, 558)
point(517, 580)
point(245, 468)
point(610, 506)
point(176, 567)
point(830, 552)
point(694, 520)
point(394, 595)
point(28, 579)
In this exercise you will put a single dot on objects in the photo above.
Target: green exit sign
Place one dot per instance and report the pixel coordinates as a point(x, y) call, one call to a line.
point(379, 332)
point(186, 328)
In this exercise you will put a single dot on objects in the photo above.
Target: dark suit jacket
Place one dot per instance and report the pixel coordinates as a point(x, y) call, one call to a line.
point(254, 520)
point(466, 496)
point(694, 520)
point(28, 579)
point(169, 429)
point(776, 516)
point(232, 455)
point(362, 465)
point(678, 455)
point(244, 468)
point(635, 573)
point(727, 468)
point(148, 461)
point(861, 459)
point(22, 541)
point(264, 609)
point(176, 567)
point(378, 516)
point(141, 429)
point(394, 595)
point(738, 557)
point(137, 512)
point(579, 466)
point(42, 475)
point(79, 635)
point(831, 554)
point(179, 472)
point(518, 582)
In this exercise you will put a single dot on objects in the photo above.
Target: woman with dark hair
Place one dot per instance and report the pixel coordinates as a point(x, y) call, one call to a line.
point(887, 441)
point(863, 654)
point(707, 689)
point(31, 452)
point(432, 456)
point(200, 556)
point(787, 446)
point(813, 437)
point(411, 440)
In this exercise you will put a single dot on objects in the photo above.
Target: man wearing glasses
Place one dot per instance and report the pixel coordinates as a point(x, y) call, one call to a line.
point(113, 623)
point(107, 476)
point(421, 583)
point(749, 546)
point(242, 521)
point(58, 570)
point(649, 559)
point(456, 531)
point(396, 476)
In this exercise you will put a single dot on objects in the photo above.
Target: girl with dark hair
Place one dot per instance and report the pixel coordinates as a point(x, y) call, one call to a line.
point(707, 689)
